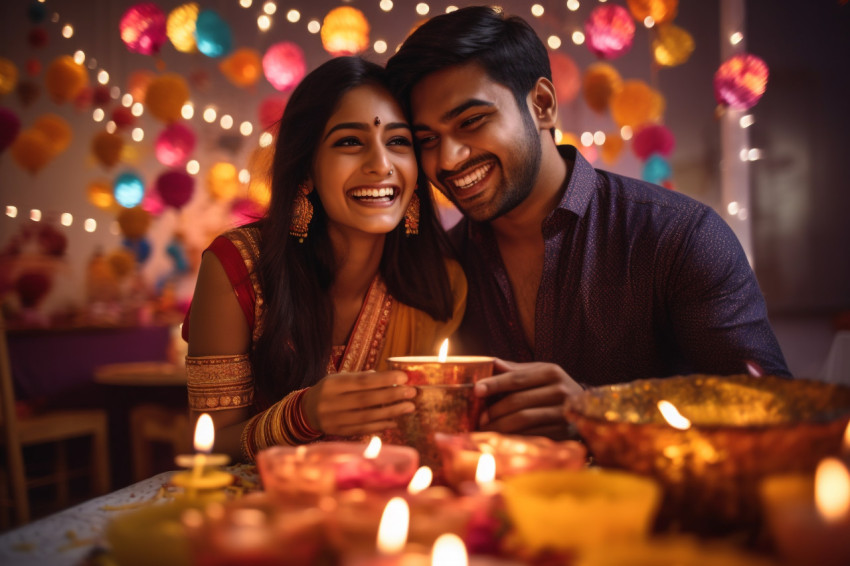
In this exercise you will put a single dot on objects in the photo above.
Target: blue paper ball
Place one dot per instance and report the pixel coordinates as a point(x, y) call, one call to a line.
point(212, 34)
point(656, 169)
point(129, 189)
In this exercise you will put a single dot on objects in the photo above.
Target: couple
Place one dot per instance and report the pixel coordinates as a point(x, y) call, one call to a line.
point(579, 276)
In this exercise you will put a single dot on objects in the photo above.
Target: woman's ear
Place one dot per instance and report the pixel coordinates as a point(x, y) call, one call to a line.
point(544, 103)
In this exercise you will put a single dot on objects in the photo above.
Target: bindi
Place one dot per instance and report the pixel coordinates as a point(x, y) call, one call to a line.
point(377, 121)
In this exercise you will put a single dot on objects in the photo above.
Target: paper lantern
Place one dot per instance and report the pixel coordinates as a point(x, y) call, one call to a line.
point(10, 125)
point(123, 117)
point(661, 11)
point(8, 76)
point(99, 193)
point(128, 189)
point(101, 96)
point(180, 27)
point(122, 261)
point(56, 129)
point(244, 211)
point(140, 247)
point(212, 34)
point(37, 38)
point(143, 28)
point(223, 181)
point(28, 92)
point(611, 147)
point(345, 31)
point(65, 78)
point(653, 138)
point(152, 203)
point(243, 67)
point(175, 144)
point(565, 76)
point(138, 85)
point(740, 81)
point(166, 96)
point(107, 148)
point(31, 150)
point(270, 111)
point(33, 67)
point(610, 31)
point(284, 65)
point(656, 169)
point(36, 11)
point(635, 104)
point(672, 45)
point(601, 82)
point(175, 187)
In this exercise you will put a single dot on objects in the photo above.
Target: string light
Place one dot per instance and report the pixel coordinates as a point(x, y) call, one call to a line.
point(103, 77)
point(554, 42)
point(578, 37)
point(79, 57)
point(246, 128)
point(573, 5)
point(137, 109)
point(192, 167)
point(536, 10)
point(67, 31)
point(187, 111)
point(244, 176)
point(111, 127)
point(386, 5)
point(245, 3)
point(747, 120)
point(226, 121)
point(137, 134)
point(626, 133)
point(736, 38)
point(586, 139)
point(66, 219)
point(599, 137)
point(270, 8)
point(35, 215)
point(649, 22)
point(11, 211)
point(451, 8)
point(90, 225)
point(313, 26)
point(209, 114)
point(266, 139)
point(422, 8)
point(98, 115)
point(380, 46)
point(127, 100)
point(264, 23)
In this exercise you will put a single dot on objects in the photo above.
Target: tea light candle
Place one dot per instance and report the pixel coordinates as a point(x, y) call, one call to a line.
point(202, 477)
point(809, 518)
point(391, 544)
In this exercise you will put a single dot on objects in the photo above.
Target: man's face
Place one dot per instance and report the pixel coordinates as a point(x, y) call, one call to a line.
point(477, 146)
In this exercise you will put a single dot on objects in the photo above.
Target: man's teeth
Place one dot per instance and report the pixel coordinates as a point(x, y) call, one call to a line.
point(373, 193)
point(471, 178)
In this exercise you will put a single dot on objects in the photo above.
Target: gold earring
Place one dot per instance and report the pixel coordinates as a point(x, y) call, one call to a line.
point(411, 216)
point(302, 213)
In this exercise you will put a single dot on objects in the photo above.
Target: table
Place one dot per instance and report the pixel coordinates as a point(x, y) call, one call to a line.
point(142, 374)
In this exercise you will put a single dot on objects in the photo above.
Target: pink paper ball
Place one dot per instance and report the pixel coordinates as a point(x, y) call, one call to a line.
point(175, 187)
point(175, 144)
point(740, 81)
point(653, 138)
point(565, 76)
point(152, 203)
point(10, 125)
point(270, 111)
point(245, 211)
point(284, 65)
point(143, 28)
point(610, 31)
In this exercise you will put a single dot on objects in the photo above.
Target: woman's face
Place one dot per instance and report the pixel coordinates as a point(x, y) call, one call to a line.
point(365, 168)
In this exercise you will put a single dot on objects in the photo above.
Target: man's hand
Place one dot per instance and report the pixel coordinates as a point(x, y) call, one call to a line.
point(526, 398)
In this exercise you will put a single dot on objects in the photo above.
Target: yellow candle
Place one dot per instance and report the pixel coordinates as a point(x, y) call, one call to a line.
point(202, 477)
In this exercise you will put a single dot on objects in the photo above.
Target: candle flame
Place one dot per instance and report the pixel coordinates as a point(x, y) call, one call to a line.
point(485, 472)
point(392, 531)
point(449, 549)
point(846, 445)
point(373, 449)
point(832, 489)
point(444, 351)
point(204, 434)
point(421, 480)
point(672, 415)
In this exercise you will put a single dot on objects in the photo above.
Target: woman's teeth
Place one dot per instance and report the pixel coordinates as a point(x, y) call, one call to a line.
point(373, 193)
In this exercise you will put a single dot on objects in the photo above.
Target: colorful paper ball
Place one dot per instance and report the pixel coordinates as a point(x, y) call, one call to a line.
point(661, 11)
point(611, 147)
point(175, 187)
point(99, 193)
point(65, 78)
point(152, 203)
point(565, 76)
point(101, 96)
point(140, 247)
point(138, 84)
point(270, 111)
point(635, 104)
point(28, 92)
point(672, 45)
point(601, 82)
point(175, 144)
point(653, 138)
point(610, 31)
point(128, 189)
point(36, 11)
point(33, 67)
point(345, 31)
point(656, 169)
point(223, 181)
point(284, 65)
point(123, 117)
point(244, 211)
point(740, 81)
point(243, 67)
point(166, 96)
point(32, 286)
point(31, 150)
point(10, 126)
point(8, 76)
point(122, 261)
point(37, 38)
point(180, 27)
point(212, 34)
point(56, 129)
point(107, 147)
point(143, 28)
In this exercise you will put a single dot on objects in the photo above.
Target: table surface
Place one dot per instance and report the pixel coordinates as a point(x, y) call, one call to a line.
point(152, 374)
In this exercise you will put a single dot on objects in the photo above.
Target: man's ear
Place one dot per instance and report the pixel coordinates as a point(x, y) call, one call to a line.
point(544, 103)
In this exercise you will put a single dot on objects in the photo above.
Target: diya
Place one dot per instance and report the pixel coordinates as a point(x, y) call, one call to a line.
point(735, 431)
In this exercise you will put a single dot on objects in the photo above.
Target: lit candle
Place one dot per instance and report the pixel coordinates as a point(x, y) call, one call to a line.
point(391, 547)
point(449, 549)
point(202, 476)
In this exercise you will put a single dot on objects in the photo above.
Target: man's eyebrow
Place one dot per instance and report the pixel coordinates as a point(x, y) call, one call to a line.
point(456, 111)
point(364, 127)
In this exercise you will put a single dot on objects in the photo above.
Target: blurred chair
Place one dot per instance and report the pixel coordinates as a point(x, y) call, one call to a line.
point(836, 368)
point(151, 424)
point(52, 427)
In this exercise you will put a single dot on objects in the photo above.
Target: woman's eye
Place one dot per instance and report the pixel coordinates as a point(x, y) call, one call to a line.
point(347, 142)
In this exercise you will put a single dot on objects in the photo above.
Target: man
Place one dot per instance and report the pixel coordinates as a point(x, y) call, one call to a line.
point(582, 276)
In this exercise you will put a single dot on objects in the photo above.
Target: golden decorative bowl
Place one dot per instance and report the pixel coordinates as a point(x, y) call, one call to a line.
point(742, 429)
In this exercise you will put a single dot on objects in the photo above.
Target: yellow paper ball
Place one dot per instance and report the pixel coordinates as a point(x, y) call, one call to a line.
point(65, 79)
point(661, 11)
point(166, 96)
point(243, 67)
point(180, 27)
point(636, 104)
point(57, 130)
point(134, 222)
point(122, 261)
point(8, 76)
point(672, 45)
point(107, 148)
point(223, 181)
point(612, 147)
point(99, 193)
point(601, 82)
point(345, 31)
point(31, 150)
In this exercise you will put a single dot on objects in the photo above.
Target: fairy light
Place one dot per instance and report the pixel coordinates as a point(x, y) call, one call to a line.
point(209, 114)
point(11, 211)
point(102, 77)
point(747, 120)
point(293, 16)
point(422, 8)
point(380, 46)
point(192, 167)
point(578, 37)
point(137, 109)
point(264, 23)
point(111, 127)
point(732, 208)
point(246, 128)
point(79, 57)
point(626, 133)
point(754, 154)
point(35, 215)
point(115, 93)
point(736, 38)
point(266, 139)
point(187, 111)
point(573, 5)
point(244, 176)
point(245, 3)
point(127, 100)
point(98, 115)
point(313, 26)
point(67, 31)
point(599, 137)
point(90, 225)
point(54, 17)
point(137, 134)
point(537, 10)
point(649, 22)
point(386, 5)
point(451, 8)
point(226, 121)
point(586, 139)
point(270, 8)
point(559, 136)
point(66, 219)
point(92, 64)
point(553, 41)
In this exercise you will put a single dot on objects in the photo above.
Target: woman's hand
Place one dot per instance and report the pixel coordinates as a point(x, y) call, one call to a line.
point(349, 404)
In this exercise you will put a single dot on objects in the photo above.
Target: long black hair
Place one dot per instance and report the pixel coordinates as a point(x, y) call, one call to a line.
point(295, 345)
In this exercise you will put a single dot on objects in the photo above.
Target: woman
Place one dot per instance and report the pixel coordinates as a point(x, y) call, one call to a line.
point(291, 314)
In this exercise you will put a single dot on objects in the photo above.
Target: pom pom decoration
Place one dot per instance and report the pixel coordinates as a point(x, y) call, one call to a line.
point(223, 181)
point(212, 34)
point(152, 203)
point(32, 286)
point(270, 111)
point(175, 188)
point(28, 92)
point(661, 11)
point(56, 129)
point(243, 67)
point(244, 211)
point(345, 31)
point(36, 11)
point(10, 126)
point(166, 96)
point(565, 76)
point(99, 193)
point(180, 27)
point(143, 28)
point(653, 138)
point(284, 65)
point(610, 31)
point(672, 45)
point(33, 67)
point(611, 148)
point(31, 150)
point(740, 81)
point(656, 169)
point(140, 247)
point(175, 144)
point(101, 96)
point(128, 189)
point(122, 261)
point(107, 148)
point(636, 104)
point(601, 82)
point(8, 76)
point(123, 117)
point(37, 38)
point(65, 78)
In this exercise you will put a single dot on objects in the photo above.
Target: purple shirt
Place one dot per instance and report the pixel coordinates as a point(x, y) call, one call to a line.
point(638, 281)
